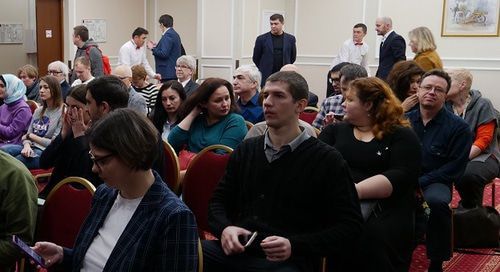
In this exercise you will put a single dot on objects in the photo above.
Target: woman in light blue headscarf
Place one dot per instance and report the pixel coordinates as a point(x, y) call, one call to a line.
point(15, 114)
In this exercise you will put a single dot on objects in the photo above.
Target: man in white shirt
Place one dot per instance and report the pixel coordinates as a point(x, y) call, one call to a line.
point(354, 50)
point(83, 71)
point(133, 52)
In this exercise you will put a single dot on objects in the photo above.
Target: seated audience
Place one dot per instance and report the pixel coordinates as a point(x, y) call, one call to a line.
point(185, 68)
point(423, 45)
point(295, 224)
point(135, 100)
point(404, 80)
point(68, 152)
point(331, 109)
point(383, 155)
point(60, 70)
point(312, 100)
point(18, 210)
point(82, 71)
point(208, 118)
point(446, 141)
point(136, 223)
point(141, 85)
point(44, 127)
point(333, 80)
point(29, 75)
point(15, 114)
point(484, 155)
point(166, 114)
point(246, 84)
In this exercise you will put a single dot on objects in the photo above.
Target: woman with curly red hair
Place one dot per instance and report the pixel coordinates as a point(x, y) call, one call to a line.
point(383, 154)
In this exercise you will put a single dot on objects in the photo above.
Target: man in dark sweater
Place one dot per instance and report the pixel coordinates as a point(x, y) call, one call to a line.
point(297, 194)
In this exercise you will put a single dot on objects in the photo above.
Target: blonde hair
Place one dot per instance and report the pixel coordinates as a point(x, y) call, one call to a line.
point(462, 75)
point(423, 38)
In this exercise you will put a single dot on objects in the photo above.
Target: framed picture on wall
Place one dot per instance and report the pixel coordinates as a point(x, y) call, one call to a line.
point(470, 18)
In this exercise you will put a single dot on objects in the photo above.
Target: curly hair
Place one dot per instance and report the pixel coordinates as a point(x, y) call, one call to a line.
point(386, 111)
point(399, 78)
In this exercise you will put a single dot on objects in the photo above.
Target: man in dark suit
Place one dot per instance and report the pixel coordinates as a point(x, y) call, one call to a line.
point(392, 47)
point(274, 49)
point(168, 49)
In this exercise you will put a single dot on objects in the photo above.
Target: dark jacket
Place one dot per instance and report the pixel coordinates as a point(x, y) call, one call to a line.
point(95, 57)
point(392, 51)
point(166, 53)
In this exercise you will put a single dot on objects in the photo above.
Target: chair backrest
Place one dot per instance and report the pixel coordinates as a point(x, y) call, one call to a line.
point(248, 124)
point(309, 114)
point(33, 105)
point(202, 176)
point(172, 168)
point(64, 211)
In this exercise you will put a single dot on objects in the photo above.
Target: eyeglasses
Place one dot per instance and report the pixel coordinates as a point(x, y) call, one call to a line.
point(429, 88)
point(182, 67)
point(98, 161)
point(332, 80)
point(53, 72)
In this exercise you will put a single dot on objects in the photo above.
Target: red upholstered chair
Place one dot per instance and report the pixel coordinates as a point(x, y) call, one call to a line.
point(33, 105)
point(309, 114)
point(64, 211)
point(202, 176)
point(172, 168)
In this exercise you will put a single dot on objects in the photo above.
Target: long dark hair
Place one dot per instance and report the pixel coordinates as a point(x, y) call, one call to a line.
point(160, 115)
point(203, 93)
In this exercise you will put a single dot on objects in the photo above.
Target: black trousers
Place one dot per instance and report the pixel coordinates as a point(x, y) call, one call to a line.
point(471, 186)
point(214, 259)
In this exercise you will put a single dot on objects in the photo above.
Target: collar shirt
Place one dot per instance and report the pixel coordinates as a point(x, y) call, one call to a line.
point(131, 55)
point(252, 110)
point(272, 153)
point(352, 53)
point(446, 141)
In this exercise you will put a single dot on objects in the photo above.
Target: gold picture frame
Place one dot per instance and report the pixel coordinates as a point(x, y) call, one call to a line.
point(465, 18)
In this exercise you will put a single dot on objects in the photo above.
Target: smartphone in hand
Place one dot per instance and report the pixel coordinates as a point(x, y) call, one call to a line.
point(247, 240)
point(28, 251)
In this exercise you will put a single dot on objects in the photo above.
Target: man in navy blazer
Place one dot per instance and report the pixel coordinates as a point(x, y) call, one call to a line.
point(392, 47)
point(168, 49)
point(274, 49)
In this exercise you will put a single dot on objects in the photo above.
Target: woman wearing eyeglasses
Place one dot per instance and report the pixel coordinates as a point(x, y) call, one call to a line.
point(136, 223)
point(383, 154)
point(45, 125)
point(60, 71)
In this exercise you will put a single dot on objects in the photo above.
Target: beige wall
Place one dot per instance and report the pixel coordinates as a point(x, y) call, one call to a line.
point(219, 32)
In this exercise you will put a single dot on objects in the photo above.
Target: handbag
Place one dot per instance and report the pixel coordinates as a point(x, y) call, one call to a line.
point(185, 157)
point(476, 228)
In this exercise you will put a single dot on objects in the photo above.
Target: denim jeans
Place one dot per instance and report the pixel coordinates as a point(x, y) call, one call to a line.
point(15, 151)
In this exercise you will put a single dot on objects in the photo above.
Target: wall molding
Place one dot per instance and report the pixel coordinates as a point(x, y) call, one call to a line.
point(217, 66)
point(231, 38)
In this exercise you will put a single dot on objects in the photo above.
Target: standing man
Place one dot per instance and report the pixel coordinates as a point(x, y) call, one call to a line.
point(392, 47)
point(274, 49)
point(354, 50)
point(297, 214)
point(168, 49)
point(246, 83)
point(133, 52)
point(18, 209)
point(89, 49)
point(446, 141)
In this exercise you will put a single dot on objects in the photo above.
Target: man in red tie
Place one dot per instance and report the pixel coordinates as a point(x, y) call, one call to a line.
point(133, 52)
point(354, 50)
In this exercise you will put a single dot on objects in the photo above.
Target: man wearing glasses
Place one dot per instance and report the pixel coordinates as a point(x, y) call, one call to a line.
point(60, 71)
point(185, 68)
point(446, 140)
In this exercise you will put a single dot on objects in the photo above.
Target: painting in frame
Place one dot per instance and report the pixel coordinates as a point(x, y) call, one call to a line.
point(470, 18)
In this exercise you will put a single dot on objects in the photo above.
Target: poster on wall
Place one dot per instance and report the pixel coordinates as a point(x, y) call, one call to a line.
point(475, 18)
point(11, 33)
point(97, 29)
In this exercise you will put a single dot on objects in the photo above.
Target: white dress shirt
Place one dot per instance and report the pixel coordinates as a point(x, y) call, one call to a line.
point(352, 53)
point(131, 55)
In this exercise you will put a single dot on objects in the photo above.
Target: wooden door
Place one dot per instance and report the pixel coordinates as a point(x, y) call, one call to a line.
point(49, 33)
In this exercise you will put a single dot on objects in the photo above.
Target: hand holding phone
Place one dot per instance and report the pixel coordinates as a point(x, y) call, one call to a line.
point(247, 240)
point(28, 251)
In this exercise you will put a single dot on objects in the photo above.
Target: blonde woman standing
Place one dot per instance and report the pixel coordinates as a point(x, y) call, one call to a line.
point(423, 45)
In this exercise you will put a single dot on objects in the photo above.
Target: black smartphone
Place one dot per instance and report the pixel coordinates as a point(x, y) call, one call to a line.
point(30, 252)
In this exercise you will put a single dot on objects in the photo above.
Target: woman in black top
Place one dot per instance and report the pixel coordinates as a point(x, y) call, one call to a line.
point(383, 155)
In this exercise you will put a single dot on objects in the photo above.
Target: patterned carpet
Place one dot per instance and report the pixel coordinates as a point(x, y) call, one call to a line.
point(464, 262)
